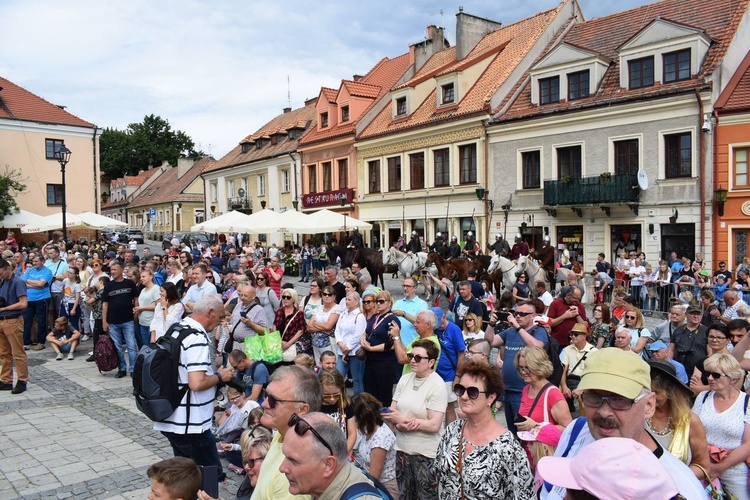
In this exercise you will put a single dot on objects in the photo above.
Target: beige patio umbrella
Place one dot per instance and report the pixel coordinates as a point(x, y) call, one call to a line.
point(230, 222)
point(326, 221)
point(21, 218)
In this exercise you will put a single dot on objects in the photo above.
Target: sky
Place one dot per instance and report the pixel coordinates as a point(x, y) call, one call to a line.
point(218, 70)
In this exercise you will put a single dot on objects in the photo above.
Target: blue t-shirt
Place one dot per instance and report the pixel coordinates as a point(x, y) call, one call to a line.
point(33, 273)
point(451, 343)
point(514, 343)
point(260, 373)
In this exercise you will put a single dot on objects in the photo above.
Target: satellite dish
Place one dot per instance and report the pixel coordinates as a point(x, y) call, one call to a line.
point(241, 192)
point(642, 179)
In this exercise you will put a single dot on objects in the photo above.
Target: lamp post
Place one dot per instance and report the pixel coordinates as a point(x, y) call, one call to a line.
point(343, 202)
point(489, 207)
point(62, 155)
point(720, 197)
point(530, 219)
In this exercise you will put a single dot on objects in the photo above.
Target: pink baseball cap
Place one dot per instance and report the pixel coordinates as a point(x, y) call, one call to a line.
point(612, 468)
point(544, 432)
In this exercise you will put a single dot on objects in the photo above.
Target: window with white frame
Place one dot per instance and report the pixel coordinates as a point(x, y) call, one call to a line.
point(230, 188)
point(261, 185)
point(285, 181)
point(678, 155)
point(214, 192)
point(531, 169)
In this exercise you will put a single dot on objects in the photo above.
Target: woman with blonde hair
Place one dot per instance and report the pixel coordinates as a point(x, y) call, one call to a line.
point(472, 328)
point(639, 334)
point(541, 401)
point(382, 369)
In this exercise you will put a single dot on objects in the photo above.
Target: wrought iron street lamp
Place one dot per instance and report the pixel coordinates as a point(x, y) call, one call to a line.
point(62, 155)
point(720, 197)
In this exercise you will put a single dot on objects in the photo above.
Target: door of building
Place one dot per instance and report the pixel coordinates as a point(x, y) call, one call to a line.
point(625, 237)
point(679, 238)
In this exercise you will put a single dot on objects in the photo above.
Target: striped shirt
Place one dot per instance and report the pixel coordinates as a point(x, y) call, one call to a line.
point(195, 357)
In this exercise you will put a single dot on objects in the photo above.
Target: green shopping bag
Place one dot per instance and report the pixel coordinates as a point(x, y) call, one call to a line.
point(272, 351)
point(254, 347)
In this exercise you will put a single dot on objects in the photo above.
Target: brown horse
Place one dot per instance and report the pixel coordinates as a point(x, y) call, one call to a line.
point(459, 267)
point(546, 258)
point(372, 260)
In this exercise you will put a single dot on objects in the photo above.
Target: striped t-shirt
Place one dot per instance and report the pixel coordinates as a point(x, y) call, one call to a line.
point(195, 357)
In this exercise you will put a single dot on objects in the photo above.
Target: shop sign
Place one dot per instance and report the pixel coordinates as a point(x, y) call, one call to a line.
point(394, 224)
point(327, 198)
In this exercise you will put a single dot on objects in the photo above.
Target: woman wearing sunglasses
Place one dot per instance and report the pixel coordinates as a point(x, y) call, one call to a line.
point(718, 343)
point(349, 329)
point(541, 401)
point(382, 369)
point(266, 297)
point(323, 323)
point(478, 457)
point(633, 320)
point(290, 322)
point(416, 414)
point(723, 411)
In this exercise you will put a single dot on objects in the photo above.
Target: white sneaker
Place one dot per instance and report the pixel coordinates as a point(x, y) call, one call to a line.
point(71, 357)
point(91, 353)
point(59, 356)
point(84, 338)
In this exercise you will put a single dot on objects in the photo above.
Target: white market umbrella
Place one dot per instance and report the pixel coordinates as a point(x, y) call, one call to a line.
point(230, 222)
point(98, 221)
point(53, 222)
point(266, 221)
point(20, 219)
point(296, 222)
point(326, 221)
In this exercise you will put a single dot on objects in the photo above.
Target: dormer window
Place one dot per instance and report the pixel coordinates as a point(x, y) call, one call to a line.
point(578, 85)
point(274, 139)
point(246, 147)
point(344, 113)
point(641, 72)
point(259, 143)
point(323, 120)
point(401, 106)
point(677, 66)
point(294, 133)
point(549, 90)
point(449, 93)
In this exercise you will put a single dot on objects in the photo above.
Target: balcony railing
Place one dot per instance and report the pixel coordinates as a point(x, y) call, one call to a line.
point(598, 189)
point(238, 203)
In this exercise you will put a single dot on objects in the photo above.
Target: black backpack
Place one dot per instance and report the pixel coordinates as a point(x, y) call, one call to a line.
point(156, 376)
point(553, 351)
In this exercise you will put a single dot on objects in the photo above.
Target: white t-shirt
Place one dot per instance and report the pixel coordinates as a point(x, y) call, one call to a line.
point(724, 429)
point(383, 438)
point(413, 398)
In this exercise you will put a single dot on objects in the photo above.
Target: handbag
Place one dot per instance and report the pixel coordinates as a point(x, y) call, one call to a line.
point(713, 487)
point(291, 352)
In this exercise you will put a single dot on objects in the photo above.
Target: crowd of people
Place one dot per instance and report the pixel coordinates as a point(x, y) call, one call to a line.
point(398, 394)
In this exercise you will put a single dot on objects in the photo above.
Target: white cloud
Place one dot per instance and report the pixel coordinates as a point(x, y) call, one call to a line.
point(216, 70)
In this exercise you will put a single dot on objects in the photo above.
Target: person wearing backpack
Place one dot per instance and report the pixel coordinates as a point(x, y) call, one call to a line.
point(253, 374)
point(188, 428)
point(317, 462)
point(522, 332)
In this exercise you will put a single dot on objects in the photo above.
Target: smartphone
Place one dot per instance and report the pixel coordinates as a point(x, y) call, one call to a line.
point(210, 480)
point(385, 410)
point(519, 418)
point(243, 314)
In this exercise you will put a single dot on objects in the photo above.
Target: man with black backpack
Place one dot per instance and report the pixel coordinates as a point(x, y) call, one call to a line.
point(188, 429)
point(253, 374)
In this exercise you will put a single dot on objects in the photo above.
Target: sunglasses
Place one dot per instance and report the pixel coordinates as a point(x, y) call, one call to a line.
point(381, 301)
point(250, 462)
point(631, 317)
point(260, 279)
point(326, 294)
point(301, 427)
point(522, 314)
point(286, 297)
point(715, 376)
point(472, 392)
point(615, 402)
point(272, 401)
point(416, 357)
point(368, 301)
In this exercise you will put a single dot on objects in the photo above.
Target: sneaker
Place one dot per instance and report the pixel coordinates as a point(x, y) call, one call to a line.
point(6, 386)
point(26, 347)
point(59, 356)
point(19, 388)
point(71, 357)
point(84, 338)
point(38, 347)
point(90, 359)
point(91, 353)
point(121, 374)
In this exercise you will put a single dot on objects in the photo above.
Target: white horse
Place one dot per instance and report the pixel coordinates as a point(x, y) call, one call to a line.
point(532, 269)
point(408, 264)
point(507, 267)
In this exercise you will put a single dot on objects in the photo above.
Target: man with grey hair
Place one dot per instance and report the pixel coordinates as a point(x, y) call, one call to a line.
point(734, 302)
point(291, 390)
point(248, 317)
point(407, 309)
point(189, 433)
point(623, 337)
point(316, 461)
point(425, 323)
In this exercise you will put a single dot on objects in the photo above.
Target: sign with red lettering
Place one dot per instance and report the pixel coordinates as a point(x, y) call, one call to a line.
point(327, 198)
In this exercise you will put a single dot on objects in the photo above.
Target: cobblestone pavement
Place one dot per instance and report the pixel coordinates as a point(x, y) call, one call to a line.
point(75, 433)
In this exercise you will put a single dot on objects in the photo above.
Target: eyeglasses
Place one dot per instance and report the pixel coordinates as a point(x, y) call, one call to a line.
point(474, 353)
point(715, 376)
point(575, 334)
point(381, 301)
point(234, 399)
point(416, 357)
point(469, 319)
point(524, 369)
point(301, 427)
point(407, 286)
point(260, 278)
point(326, 294)
point(472, 392)
point(332, 396)
point(522, 314)
point(368, 301)
point(615, 402)
point(250, 462)
point(631, 317)
point(272, 401)
point(716, 338)
point(286, 297)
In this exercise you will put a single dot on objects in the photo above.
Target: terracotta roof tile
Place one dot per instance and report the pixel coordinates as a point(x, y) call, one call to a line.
point(138, 180)
point(297, 118)
point(360, 89)
point(382, 76)
point(604, 35)
point(330, 94)
point(505, 47)
point(18, 103)
point(736, 95)
point(168, 188)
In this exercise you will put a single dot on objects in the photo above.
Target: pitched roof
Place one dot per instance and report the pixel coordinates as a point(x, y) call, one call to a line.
point(604, 35)
point(297, 118)
point(17, 103)
point(138, 180)
point(330, 94)
point(504, 47)
point(167, 188)
point(374, 85)
point(736, 95)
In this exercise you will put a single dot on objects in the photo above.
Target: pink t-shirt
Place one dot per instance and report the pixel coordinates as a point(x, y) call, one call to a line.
point(276, 284)
point(538, 416)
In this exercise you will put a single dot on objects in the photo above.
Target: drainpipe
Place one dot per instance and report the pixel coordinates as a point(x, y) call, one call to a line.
point(96, 177)
point(487, 186)
point(294, 190)
point(715, 148)
point(701, 167)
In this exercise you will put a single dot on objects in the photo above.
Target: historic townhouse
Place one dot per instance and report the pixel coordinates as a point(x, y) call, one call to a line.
point(731, 148)
point(606, 144)
point(262, 171)
point(422, 160)
point(122, 190)
point(329, 172)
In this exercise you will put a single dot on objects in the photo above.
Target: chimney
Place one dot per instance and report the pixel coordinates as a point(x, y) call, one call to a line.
point(470, 30)
point(420, 52)
point(357, 78)
point(287, 110)
point(183, 165)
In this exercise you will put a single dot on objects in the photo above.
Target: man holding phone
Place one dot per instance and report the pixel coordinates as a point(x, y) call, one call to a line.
point(522, 332)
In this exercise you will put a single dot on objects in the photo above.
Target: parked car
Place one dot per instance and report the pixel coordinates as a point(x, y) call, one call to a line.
point(127, 235)
point(204, 237)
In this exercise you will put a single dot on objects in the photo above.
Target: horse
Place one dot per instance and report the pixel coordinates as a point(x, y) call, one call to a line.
point(501, 270)
point(409, 265)
point(346, 254)
point(481, 264)
point(372, 260)
point(446, 269)
point(563, 274)
point(532, 269)
point(546, 258)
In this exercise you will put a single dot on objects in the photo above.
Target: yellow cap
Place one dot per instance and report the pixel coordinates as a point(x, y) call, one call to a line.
point(614, 370)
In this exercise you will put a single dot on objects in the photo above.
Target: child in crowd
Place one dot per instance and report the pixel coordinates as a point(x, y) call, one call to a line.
point(174, 478)
point(304, 360)
point(540, 441)
point(64, 338)
point(70, 305)
point(94, 298)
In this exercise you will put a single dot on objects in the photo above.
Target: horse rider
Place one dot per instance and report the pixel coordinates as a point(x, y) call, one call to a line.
point(356, 240)
point(470, 247)
point(500, 246)
point(439, 246)
point(519, 248)
point(414, 246)
point(454, 251)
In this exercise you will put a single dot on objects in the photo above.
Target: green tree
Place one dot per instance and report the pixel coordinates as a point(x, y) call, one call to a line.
point(10, 188)
point(142, 144)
